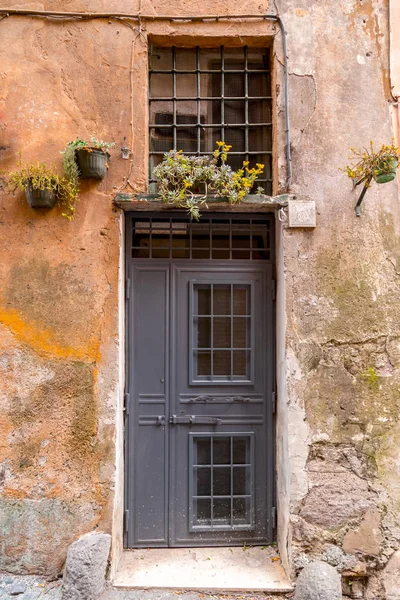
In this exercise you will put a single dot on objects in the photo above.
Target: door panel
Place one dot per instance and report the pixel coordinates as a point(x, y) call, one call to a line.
point(221, 388)
point(199, 443)
point(147, 452)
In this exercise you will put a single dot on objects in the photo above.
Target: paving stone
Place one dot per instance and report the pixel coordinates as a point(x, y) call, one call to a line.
point(17, 588)
point(54, 594)
point(31, 595)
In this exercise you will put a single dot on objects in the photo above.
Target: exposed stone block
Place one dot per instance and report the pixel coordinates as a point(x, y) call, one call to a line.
point(367, 538)
point(85, 569)
point(336, 498)
point(40, 519)
point(318, 581)
point(391, 577)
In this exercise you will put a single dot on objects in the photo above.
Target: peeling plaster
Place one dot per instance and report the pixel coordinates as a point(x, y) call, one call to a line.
point(61, 334)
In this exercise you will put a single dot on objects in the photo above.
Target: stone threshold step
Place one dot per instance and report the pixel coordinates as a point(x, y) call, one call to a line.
point(217, 570)
point(120, 594)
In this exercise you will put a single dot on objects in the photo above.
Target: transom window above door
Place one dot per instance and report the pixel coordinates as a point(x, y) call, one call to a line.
point(199, 96)
point(216, 237)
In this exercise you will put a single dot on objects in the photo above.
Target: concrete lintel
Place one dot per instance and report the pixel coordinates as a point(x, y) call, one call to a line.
point(251, 203)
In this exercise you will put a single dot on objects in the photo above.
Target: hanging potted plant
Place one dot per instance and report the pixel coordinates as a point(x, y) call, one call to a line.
point(370, 165)
point(180, 177)
point(91, 157)
point(43, 187)
point(41, 183)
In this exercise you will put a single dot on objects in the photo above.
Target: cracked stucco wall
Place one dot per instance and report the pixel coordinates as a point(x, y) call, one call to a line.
point(60, 330)
point(342, 309)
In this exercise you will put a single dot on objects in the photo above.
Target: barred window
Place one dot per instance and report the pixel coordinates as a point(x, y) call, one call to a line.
point(199, 96)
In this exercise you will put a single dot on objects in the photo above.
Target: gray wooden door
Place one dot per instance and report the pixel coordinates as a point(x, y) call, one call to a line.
point(199, 429)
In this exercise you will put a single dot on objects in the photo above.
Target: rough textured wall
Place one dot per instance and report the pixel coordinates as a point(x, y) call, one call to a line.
point(59, 282)
point(342, 287)
point(59, 291)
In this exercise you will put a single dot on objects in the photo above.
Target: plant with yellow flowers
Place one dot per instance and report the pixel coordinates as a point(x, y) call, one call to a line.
point(180, 179)
point(370, 165)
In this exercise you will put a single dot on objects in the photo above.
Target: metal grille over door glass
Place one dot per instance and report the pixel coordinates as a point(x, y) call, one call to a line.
point(221, 337)
point(199, 96)
point(221, 481)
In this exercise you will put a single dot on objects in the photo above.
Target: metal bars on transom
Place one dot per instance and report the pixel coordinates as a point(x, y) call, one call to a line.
point(212, 238)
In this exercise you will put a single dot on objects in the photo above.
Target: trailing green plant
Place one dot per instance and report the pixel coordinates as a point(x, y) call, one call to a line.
point(70, 191)
point(39, 176)
point(368, 164)
point(71, 175)
point(179, 177)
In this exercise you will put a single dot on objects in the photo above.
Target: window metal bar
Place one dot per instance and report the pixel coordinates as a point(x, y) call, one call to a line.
point(246, 104)
point(212, 477)
point(151, 239)
point(212, 332)
point(198, 99)
point(209, 125)
point(222, 94)
point(251, 152)
point(231, 290)
point(207, 71)
point(174, 95)
point(224, 496)
point(246, 464)
point(209, 98)
point(231, 481)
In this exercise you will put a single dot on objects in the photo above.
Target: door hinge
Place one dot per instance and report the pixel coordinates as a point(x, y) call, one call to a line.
point(126, 521)
point(273, 515)
point(273, 288)
point(127, 288)
point(273, 396)
point(127, 403)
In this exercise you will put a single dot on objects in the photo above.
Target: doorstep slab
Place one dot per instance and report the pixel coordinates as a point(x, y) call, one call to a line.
point(203, 569)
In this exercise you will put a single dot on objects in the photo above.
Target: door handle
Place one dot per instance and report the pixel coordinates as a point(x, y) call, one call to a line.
point(160, 420)
point(194, 420)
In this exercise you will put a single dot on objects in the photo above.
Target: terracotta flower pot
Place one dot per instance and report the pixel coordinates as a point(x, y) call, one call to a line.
point(40, 198)
point(92, 163)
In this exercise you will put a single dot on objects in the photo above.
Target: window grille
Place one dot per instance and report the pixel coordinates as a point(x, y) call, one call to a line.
point(221, 481)
point(212, 238)
point(199, 96)
point(221, 335)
